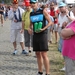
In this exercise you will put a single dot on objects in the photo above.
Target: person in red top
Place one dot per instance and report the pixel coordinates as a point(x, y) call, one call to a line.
point(54, 13)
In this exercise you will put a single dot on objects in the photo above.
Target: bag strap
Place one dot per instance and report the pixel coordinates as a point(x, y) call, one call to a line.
point(15, 15)
point(20, 19)
point(69, 13)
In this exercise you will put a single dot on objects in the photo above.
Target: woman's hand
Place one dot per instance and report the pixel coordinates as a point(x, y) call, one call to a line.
point(40, 30)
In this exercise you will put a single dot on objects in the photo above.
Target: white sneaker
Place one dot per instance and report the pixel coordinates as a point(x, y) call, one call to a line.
point(63, 69)
point(15, 52)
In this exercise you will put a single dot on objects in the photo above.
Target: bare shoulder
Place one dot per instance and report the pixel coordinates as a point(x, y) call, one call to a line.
point(45, 12)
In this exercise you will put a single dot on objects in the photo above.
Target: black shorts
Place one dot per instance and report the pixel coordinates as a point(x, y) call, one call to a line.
point(40, 42)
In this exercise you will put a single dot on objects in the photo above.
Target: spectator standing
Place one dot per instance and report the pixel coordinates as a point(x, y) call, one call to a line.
point(15, 15)
point(63, 19)
point(54, 13)
point(40, 43)
point(1, 13)
point(25, 27)
point(68, 50)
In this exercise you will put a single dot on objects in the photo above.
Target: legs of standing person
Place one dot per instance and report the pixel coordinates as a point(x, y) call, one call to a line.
point(23, 48)
point(31, 43)
point(15, 45)
point(13, 38)
point(60, 44)
point(70, 66)
point(60, 40)
point(42, 58)
point(27, 39)
point(60, 50)
point(56, 36)
point(39, 61)
point(22, 45)
point(20, 38)
point(40, 46)
point(56, 31)
point(2, 20)
point(46, 62)
point(15, 48)
point(16, 37)
point(50, 31)
point(49, 36)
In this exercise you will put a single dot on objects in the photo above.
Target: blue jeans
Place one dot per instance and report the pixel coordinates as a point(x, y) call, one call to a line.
point(60, 44)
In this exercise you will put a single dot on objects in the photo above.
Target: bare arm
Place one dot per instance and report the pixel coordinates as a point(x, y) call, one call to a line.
point(30, 30)
point(23, 24)
point(67, 32)
point(22, 30)
point(48, 19)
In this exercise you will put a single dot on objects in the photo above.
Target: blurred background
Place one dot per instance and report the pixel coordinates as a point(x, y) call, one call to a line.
point(43, 1)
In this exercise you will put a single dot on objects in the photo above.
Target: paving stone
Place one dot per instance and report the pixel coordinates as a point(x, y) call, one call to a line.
point(14, 65)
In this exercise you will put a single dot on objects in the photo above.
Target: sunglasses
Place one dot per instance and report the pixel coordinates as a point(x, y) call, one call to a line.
point(32, 2)
point(61, 7)
point(70, 7)
point(63, 12)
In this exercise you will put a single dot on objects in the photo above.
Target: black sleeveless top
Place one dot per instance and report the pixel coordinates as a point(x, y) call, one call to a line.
point(38, 17)
point(1, 8)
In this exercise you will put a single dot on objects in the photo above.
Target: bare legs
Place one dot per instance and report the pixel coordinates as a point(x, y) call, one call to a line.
point(21, 43)
point(42, 58)
point(56, 36)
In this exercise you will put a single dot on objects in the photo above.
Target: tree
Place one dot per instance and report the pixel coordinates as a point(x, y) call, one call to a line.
point(5, 1)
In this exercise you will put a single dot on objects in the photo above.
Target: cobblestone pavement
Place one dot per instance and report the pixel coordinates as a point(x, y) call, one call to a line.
point(14, 65)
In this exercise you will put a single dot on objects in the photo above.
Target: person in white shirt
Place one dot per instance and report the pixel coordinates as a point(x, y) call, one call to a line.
point(15, 15)
point(64, 18)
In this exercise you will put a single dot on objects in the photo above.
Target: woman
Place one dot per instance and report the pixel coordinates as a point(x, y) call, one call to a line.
point(38, 19)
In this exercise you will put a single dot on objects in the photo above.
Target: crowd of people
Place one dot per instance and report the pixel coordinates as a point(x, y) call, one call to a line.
point(34, 26)
point(4, 8)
